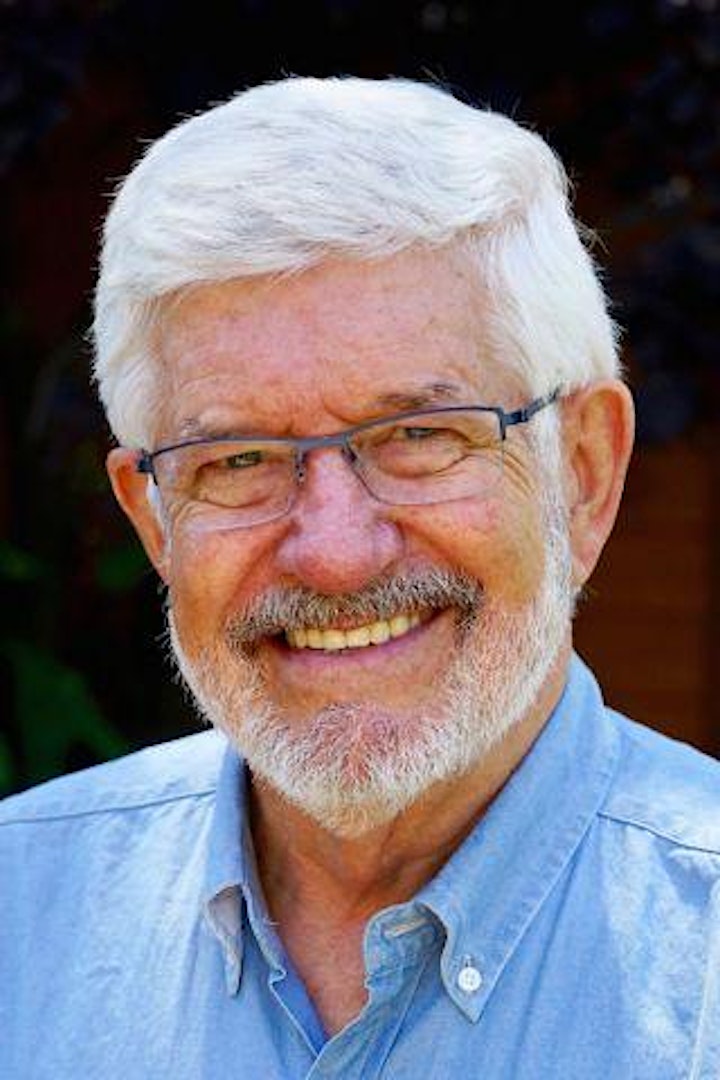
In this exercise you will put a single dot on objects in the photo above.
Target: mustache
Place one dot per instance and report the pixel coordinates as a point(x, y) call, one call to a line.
point(284, 609)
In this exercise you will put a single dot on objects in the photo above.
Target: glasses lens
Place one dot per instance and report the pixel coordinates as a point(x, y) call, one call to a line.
point(254, 480)
point(431, 457)
point(414, 460)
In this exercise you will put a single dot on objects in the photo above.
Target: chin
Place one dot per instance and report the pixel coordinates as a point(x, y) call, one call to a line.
point(354, 767)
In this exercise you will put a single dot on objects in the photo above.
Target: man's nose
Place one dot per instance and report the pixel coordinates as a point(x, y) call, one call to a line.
point(340, 537)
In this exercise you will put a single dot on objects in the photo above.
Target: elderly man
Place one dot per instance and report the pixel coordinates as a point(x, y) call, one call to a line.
point(373, 437)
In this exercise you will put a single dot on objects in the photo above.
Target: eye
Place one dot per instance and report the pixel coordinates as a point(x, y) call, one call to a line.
point(430, 437)
point(417, 434)
point(245, 459)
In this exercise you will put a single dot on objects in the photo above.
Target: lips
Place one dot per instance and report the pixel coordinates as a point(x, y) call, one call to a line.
point(302, 622)
point(334, 639)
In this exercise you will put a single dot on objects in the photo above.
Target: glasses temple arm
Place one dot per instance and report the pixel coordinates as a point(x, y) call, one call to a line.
point(521, 416)
point(145, 464)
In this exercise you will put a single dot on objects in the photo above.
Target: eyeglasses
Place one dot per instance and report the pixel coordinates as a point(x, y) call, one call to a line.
point(433, 455)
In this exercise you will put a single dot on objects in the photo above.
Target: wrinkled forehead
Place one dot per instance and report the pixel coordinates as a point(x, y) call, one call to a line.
point(344, 338)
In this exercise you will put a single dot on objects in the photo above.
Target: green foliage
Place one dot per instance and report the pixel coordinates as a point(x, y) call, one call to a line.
point(55, 721)
point(17, 565)
point(120, 568)
point(55, 714)
point(7, 769)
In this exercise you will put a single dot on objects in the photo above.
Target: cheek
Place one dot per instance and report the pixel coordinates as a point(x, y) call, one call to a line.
point(210, 573)
point(524, 553)
point(500, 543)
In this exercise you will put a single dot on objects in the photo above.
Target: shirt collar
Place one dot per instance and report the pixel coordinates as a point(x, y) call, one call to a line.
point(490, 890)
point(226, 870)
point(232, 895)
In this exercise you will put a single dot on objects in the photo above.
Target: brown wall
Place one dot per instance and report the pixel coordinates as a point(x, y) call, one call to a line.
point(649, 626)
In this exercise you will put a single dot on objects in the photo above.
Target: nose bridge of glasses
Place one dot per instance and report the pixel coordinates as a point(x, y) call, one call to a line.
point(304, 446)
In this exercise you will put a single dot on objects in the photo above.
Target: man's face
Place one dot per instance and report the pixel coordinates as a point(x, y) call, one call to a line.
point(354, 734)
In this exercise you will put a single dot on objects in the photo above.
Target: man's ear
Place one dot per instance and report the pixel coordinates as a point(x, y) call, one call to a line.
point(131, 491)
point(598, 429)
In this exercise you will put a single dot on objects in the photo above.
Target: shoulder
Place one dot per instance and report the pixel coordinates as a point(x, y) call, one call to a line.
point(183, 769)
point(665, 787)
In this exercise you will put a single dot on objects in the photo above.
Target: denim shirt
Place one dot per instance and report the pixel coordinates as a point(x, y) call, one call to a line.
point(574, 935)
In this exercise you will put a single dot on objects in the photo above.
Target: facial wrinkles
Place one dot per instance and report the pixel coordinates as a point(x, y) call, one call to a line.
point(212, 341)
point(355, 766)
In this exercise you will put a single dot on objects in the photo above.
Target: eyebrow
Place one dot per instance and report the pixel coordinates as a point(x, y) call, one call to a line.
point(191, 428)
point(437, 393)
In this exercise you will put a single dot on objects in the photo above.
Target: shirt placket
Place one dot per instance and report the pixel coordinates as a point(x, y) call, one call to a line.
point(398, 947)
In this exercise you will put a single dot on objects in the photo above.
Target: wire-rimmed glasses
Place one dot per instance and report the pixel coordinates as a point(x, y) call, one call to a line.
point(432, 455)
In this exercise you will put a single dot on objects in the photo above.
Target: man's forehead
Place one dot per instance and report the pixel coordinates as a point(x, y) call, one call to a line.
point(352, 340)
point(411, 291)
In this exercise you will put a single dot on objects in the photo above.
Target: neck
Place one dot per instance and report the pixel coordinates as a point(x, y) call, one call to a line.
point(349, 878)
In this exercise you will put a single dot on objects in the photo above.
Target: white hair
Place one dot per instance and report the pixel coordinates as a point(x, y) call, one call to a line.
point(286, 175)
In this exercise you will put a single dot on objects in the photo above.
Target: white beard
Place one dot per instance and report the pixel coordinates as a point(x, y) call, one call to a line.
point(355, 766)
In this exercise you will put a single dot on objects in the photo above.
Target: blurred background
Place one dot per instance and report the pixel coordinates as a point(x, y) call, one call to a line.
point(629, 95)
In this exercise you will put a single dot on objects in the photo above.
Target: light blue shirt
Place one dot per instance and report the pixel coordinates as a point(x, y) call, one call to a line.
point(575, 935)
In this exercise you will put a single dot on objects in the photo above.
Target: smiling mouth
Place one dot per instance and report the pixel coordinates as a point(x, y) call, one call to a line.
point(333, 639)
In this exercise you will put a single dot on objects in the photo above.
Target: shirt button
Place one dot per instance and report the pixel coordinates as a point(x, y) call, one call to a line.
point(469, 979)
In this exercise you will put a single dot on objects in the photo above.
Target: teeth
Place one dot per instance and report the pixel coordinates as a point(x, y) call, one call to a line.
point(399, 625)
point(379, 632)
point(358, 638)
point(333, 639)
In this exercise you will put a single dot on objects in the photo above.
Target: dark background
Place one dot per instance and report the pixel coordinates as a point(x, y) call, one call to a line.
point(626, 92)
